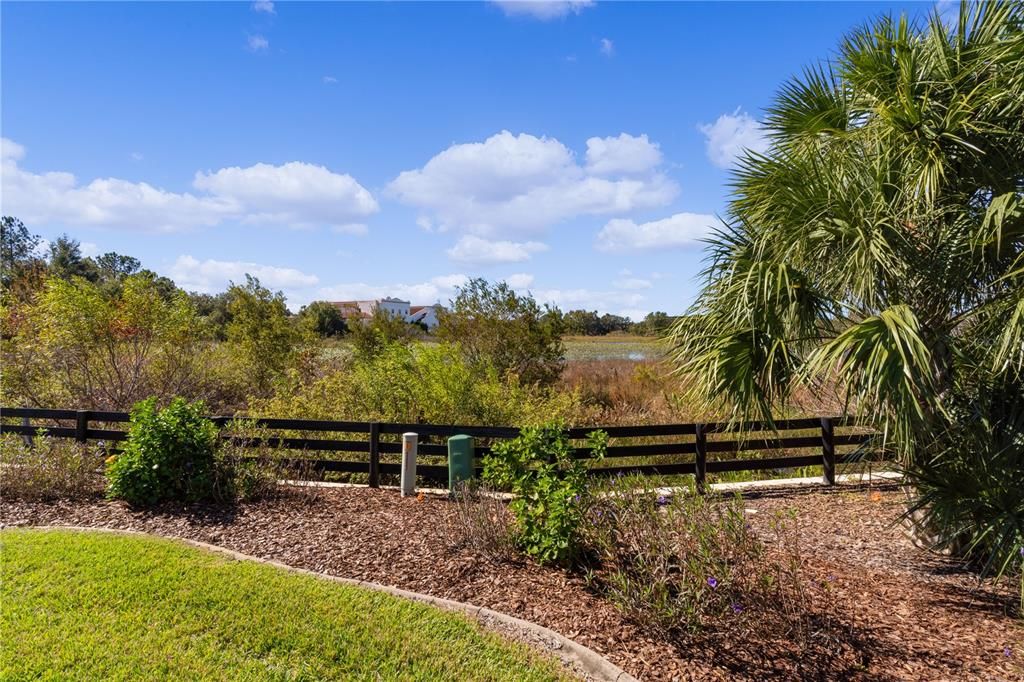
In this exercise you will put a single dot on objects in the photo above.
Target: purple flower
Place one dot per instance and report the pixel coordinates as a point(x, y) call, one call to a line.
point(736, 608)
point(831, 578)
point(713, 582)
point(662, 500)
point(1006, 651)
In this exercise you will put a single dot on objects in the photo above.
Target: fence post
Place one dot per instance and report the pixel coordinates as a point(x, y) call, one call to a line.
point(409, 447)
point(81, 425)
point(828, 451)
point(701, 458)
point(374, 455)
point(26, 438)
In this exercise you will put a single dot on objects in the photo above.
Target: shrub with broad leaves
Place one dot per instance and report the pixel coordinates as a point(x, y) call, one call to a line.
point(550, 486)
point(169, 455)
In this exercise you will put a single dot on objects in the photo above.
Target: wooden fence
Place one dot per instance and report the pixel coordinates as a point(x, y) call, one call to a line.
point(660, 449)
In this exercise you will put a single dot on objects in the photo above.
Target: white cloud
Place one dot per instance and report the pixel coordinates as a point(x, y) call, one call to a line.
point(137, 156)
point(11, 150)
point(519, 280)
point(330, 80)
point(258, 43)
point(263, 6)
point(358, 229)
point(544, 10)
point(479, 251)
point(728, 136)
point(211, 276)
point(632, 283)
point(607, 47)
point(622, 154)
point(679, 230)
point(294, 195)
point(89, 249)
point(525, 183)
point(436, 289)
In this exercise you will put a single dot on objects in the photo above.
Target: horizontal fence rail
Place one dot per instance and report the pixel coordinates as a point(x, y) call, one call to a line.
point(659, 449)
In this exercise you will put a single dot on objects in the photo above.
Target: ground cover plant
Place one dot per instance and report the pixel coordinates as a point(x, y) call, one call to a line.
point(41, 468)
point(89, 606)
point(692, 568)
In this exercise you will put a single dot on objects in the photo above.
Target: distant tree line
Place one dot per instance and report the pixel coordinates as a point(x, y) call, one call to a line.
point(24, 266)
point(590, 323)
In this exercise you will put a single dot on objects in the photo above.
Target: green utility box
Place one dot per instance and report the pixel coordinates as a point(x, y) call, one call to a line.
point(460, 460)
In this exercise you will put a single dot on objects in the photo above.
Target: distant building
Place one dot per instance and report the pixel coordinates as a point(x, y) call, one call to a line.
point(425, 315)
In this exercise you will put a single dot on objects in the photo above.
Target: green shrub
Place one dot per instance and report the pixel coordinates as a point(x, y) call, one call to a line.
point(967, 488)
point(428, 383)
point(550, 487)
point(169, 455)
point(48, 468)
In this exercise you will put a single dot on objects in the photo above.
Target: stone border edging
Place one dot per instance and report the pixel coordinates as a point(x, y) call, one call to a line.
point(569, 651)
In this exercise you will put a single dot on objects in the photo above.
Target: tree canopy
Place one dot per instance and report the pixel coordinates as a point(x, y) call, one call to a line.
point(494, 325)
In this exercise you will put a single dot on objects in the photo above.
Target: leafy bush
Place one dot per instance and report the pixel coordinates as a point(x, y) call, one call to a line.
point(48, 468)
point(550, 486)
point(322, 319)
point(512, 333)
point(417, 383)
point(79, 345)
point(262, 340)
point(382, 330)
point(968, 493)
point(169, 455)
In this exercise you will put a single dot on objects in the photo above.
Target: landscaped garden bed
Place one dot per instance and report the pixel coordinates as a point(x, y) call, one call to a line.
point(906, 614)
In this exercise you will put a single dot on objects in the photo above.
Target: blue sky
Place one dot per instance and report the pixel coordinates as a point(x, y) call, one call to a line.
point(352, 150)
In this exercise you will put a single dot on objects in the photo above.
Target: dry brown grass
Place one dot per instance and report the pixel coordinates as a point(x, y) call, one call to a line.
point(617, 392)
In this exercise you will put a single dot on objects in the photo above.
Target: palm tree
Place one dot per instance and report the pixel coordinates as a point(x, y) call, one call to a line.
point(879, 244)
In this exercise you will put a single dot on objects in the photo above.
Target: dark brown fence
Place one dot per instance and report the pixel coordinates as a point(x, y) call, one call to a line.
point(660, 449)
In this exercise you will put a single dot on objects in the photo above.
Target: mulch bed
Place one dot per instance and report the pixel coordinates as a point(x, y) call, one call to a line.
point(912, 615)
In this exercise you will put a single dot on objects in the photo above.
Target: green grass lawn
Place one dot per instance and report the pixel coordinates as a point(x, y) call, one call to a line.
point(90, 606)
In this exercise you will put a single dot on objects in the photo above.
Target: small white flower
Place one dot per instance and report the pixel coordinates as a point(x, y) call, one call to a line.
point(155, 466)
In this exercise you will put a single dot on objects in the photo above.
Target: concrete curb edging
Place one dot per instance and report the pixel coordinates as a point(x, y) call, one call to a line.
point(569, 651)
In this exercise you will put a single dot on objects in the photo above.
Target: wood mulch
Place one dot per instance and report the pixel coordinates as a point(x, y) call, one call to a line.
point(911, 615)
